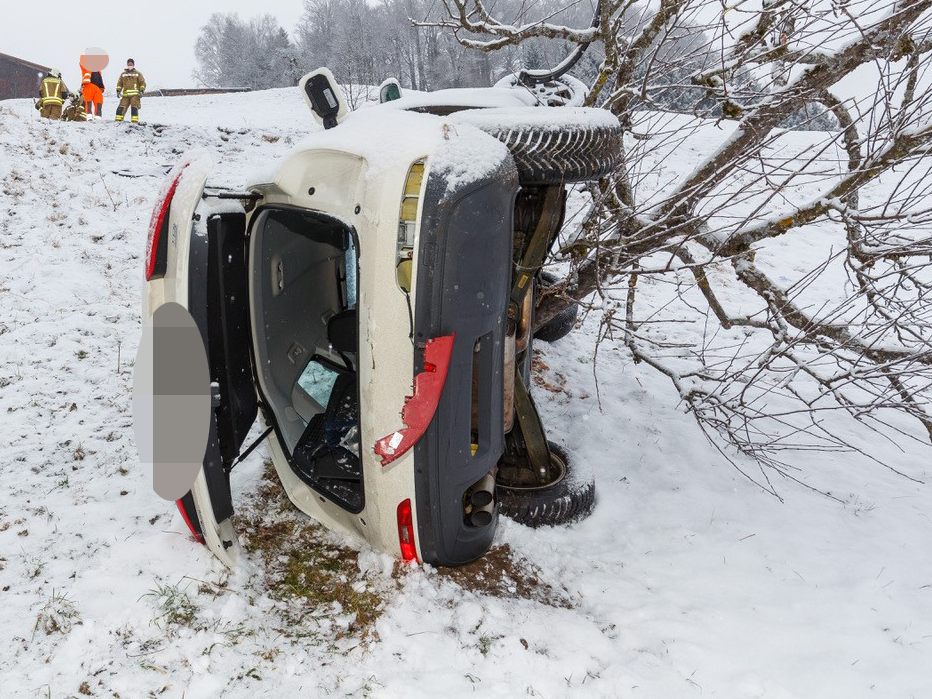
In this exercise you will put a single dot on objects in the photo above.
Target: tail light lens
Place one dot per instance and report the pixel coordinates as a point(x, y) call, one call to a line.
point(406, 531)
point(187, 520)
point(157, 240)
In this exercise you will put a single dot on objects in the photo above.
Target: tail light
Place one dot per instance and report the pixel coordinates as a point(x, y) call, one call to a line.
point(406, 531)
point(157, 240)
point(187, 520)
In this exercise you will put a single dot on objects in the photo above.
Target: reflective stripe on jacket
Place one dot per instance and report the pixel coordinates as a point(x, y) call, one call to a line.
point(52, 91)
point(91, 77)
point(131, 83)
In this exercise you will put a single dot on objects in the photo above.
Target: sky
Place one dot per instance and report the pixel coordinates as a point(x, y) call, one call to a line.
point(159, 35)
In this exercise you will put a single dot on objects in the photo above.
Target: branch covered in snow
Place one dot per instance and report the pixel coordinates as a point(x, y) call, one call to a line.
point(776, 189)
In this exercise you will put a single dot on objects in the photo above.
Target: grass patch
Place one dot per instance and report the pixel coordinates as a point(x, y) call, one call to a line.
point(316, 579)
point(174, 605)
point(57, 616)
point(176, 609)
point(320, 589)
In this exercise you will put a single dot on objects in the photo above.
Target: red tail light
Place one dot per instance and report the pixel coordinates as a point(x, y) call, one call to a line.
point(187, 520)
point(406, 531)
point(157, 241)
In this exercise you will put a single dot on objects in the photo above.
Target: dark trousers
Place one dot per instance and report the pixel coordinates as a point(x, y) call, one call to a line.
point(133, 103)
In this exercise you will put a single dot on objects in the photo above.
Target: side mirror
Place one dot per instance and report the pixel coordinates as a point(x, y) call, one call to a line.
point(389, 90)
point(324, 96)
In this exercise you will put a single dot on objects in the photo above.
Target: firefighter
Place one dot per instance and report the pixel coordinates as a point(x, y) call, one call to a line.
point(130, 87)
point(75, 110)
point(52, 95)
point(92, 88)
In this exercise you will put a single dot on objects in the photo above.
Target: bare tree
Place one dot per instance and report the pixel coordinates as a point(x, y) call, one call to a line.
point(684, 250)
point(257, 54)
point(364, 43)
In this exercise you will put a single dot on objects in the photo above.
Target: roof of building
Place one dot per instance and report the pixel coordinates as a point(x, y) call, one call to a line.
point(193, 91)
point(28, 64)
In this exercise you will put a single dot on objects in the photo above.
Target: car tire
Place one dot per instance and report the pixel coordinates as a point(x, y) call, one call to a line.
point(553, 145)
point(563, 323)
point(568, 500)
point(565, 91)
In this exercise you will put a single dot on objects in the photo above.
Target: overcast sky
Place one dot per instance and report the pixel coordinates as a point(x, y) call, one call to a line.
point(159, 35)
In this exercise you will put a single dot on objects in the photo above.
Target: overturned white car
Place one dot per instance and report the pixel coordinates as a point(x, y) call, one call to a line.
point(373, 298)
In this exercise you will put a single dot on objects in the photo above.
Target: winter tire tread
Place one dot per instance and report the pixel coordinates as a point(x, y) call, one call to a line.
point(574, 153)
point(568, 501)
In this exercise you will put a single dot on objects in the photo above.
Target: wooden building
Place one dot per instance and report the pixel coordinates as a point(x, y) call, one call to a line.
point(19, 78)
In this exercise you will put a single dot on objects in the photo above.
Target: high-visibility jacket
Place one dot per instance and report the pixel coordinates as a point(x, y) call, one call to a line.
point(52, 90)
point(89, 77)
point(92, 85)
point(131, 83)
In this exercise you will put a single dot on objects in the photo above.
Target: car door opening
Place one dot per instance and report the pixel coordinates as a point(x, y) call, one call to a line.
point(304, 267)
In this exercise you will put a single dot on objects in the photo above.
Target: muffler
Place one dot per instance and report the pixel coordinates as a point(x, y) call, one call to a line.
point(480, 501)
point(482, 516)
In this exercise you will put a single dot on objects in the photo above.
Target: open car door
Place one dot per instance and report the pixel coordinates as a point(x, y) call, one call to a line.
point(196, 263)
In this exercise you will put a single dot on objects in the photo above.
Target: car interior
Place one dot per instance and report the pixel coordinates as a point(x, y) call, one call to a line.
point(304, 286)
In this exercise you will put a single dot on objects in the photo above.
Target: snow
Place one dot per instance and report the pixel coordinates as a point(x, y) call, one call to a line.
point(501, 118)
point(686, 581)
point(467, 97)
point(461, 151)
point(466, 155)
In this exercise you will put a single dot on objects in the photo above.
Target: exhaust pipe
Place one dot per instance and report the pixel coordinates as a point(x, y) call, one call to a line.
point(483, 492)
point(480, 501)
point(482, 516)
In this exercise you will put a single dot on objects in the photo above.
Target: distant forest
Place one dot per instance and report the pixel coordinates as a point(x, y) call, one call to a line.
point(364, 44)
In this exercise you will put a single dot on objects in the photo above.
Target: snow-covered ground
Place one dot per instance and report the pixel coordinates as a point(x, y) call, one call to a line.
point(686, 581)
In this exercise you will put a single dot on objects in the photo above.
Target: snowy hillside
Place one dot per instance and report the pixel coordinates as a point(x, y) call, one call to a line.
point(688, 580)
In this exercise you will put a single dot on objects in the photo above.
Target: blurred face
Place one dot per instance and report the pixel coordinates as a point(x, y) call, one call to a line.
point(95, 59)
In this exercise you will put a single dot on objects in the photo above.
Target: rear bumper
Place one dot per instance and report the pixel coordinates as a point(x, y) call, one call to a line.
point(464, 278)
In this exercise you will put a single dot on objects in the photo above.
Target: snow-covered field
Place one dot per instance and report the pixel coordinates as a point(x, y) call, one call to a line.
point(687, 580)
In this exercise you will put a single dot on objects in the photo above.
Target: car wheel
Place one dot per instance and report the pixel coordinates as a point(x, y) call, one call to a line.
point(567, 500)
point(553, 145)
point(563, 323)
point(565, 91)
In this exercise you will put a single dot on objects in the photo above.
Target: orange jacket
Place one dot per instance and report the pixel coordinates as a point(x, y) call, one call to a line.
point(90, 91)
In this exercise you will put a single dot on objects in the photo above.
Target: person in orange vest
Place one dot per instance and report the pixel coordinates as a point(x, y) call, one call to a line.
point(92, 88)
point(130, 87)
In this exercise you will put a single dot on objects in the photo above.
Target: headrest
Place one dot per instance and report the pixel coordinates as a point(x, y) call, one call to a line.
point(343, 331)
